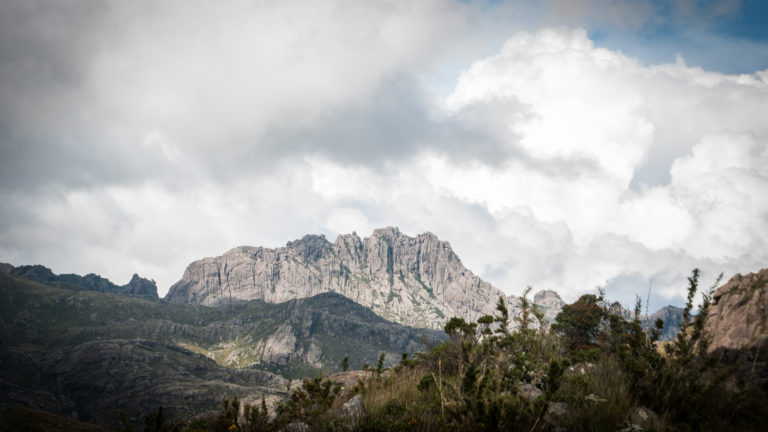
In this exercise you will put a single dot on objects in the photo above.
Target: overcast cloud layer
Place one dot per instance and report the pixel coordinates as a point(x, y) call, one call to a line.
point(138, 137)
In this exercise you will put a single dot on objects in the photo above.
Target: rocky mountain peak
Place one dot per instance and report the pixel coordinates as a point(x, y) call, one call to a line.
point(672, 317)
point(391, 233)
point(417, 281)
point(141, 287)
point(550, 302)
point(311, 247)
point(35, 272)
point(548, 298)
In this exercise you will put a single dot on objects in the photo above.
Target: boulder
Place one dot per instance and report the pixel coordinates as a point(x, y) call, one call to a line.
point(738, 315)
point(530, 392)
point(353, 409)
point(643, 417)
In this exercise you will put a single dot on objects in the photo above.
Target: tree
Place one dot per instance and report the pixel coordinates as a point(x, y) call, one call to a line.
point(581, 322)
point(503, 319)
point(310, 402)
point(524, 319)
point(380, 363)
point(345, 364)
point(486, 321)
point(156, 422)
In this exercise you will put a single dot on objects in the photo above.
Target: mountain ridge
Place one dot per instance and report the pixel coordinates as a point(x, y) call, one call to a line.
point(416, 281)
point(136, 287)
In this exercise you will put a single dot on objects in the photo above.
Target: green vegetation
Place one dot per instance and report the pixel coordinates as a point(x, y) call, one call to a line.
point(18, 418)
point(392, 296)
point(108, 351)
point(423, 285)
point(593, 371)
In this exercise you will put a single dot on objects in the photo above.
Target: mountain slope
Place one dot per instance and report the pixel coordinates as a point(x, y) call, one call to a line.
point(91, 353)
point(137, 287)
point(417, 281)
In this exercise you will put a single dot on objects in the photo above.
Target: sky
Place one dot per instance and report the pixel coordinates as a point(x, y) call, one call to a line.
point(561, 144)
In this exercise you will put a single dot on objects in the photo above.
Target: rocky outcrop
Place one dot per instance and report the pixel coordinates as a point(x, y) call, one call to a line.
point(36, 273)
point(672, 317)
point(417, 281)
point(549, 302)
point(137, 287)
point(738, 315)
point(352, 410)
point(5, 267)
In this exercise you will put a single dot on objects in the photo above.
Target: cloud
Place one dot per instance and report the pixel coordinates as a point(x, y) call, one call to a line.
point(137, 139)
point(519, 223)
point(82, 85)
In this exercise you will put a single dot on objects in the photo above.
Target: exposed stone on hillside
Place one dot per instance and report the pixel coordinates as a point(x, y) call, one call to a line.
point(738, 316)
point(36, 273)
point(137, 287)
point(550, 302)
point(417, 281)
point(5, 267)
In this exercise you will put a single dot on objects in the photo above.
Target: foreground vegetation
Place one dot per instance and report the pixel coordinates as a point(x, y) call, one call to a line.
point(592, 370)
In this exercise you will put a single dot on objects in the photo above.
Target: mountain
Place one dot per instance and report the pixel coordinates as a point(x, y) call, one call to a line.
point(137, 287)
point(85, 354)
point(672, 317)
point(416, 281)
point(738, 315)
point(549, 302)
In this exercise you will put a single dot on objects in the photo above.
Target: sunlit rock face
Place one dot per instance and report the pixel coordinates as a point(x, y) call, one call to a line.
point(417, 281)
point(738, 316)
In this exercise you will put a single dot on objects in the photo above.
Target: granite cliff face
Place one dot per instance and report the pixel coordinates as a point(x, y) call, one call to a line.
point(738, 315)
point(549, 302)
point(417, 281)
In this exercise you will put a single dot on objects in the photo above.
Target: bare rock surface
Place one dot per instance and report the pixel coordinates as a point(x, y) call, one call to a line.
point(549, 302)
point(417, 281)
point(738, 316)
point(353, 409)
point(530, 392)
